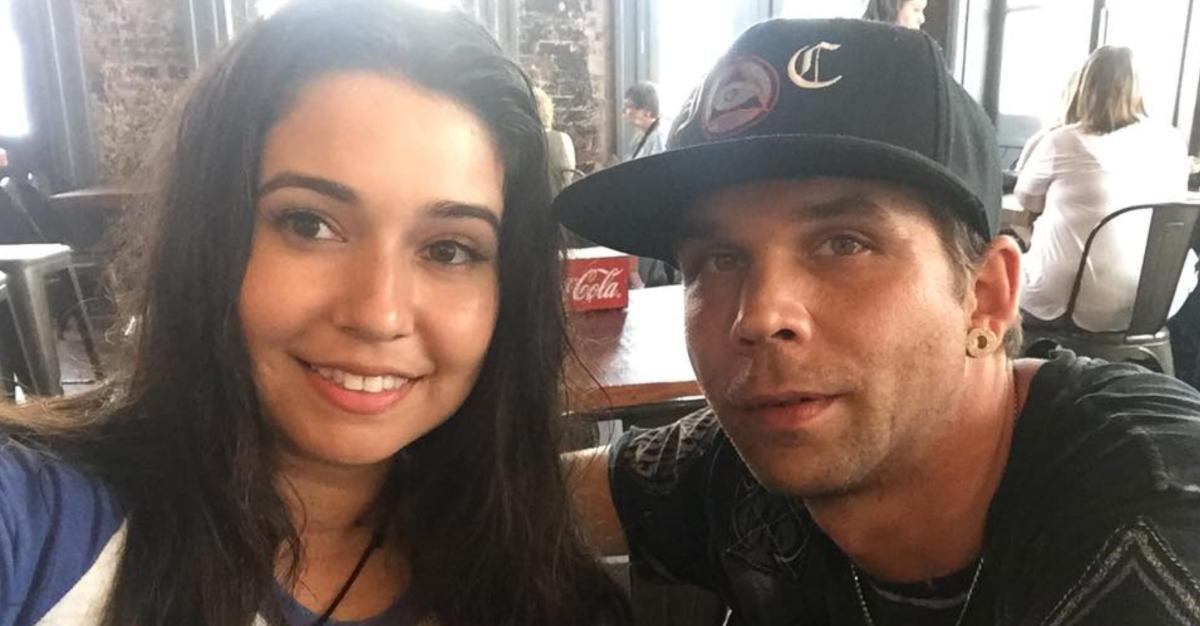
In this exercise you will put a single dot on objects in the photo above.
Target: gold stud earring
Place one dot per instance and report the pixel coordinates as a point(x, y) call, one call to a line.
point(981, 342)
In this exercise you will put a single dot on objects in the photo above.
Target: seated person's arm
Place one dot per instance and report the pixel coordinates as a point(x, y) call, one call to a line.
point(1037, 171)
point(587, 480)
point(1031, 203)
point(1031, 193)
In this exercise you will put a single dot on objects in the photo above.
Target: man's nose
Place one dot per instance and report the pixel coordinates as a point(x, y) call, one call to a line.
point(772, 306)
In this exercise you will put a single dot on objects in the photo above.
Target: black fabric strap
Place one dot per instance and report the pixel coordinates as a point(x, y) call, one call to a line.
point(376, 541)
point(645, 136)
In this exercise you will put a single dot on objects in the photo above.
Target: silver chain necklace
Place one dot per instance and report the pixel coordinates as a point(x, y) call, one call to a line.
point(862, 600)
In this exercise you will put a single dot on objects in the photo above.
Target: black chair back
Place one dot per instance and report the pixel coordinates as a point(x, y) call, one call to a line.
point(1167, 245)
point(32, 202)
point(16, 224)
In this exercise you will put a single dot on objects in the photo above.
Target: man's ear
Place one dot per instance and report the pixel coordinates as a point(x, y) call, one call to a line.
point(995, 287)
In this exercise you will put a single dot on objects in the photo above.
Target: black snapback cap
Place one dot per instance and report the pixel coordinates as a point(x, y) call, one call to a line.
point(800, 98)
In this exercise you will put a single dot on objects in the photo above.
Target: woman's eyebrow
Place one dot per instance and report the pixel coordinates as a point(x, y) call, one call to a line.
point(323, 186)
point(448, 209)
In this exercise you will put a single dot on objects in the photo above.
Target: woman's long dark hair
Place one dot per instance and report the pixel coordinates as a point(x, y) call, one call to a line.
point(179, 434)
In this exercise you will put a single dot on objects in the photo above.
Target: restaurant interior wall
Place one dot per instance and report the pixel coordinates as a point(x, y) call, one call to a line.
point(131, 55)
point(137, 56)
point(567, 48)
point(99, 74)
point(565, 45)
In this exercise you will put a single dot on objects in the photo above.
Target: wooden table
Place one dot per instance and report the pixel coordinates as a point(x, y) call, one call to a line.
point(637, 355)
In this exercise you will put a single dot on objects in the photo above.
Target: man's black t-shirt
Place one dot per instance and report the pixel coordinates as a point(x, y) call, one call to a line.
point(1096, 520)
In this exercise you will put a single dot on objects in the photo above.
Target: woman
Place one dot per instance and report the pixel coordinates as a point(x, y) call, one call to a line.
point(341, 397)
point(1106, 157)
point(905, 13)
point(560, 150)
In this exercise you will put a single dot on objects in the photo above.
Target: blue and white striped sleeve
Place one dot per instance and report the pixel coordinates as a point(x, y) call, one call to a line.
point(55, 521)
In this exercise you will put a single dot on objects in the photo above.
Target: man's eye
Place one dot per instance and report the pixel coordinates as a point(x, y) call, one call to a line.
point(452, 253)
point(724, 261)
point(842, 245)
point(306, 225)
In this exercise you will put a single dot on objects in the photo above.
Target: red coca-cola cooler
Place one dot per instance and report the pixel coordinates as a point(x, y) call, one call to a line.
point(597, 278)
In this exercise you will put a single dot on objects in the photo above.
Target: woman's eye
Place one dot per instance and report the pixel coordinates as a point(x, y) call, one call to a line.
point(307, 225)
point(842, 245)
point(452, 253)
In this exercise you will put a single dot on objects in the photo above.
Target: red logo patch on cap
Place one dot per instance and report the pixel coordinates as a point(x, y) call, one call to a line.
point(739, 93)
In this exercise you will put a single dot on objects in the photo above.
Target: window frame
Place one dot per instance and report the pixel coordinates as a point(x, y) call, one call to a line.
point(980, 26)
point(59, 146)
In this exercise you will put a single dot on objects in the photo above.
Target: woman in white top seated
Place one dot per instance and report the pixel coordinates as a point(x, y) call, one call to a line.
point(1107, 156)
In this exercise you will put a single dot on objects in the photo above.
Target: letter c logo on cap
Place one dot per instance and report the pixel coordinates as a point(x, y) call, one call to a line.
point(810, 63)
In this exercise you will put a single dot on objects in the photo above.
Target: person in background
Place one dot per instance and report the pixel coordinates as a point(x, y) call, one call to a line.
point(1107, 156)
point(641, 111)
point(341, 401)
point(560, 150)
point(905, 13)
point(3, 158)
point(873, 453)
point(1066, 97)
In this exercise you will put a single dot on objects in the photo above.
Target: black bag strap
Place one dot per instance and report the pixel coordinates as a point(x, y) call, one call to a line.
point(642, 143)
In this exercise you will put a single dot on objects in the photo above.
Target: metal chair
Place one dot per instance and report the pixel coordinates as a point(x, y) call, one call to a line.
point(26, 217)
point(47, 224)
point(14, 358)
point(1147, 339)
point(28, 268)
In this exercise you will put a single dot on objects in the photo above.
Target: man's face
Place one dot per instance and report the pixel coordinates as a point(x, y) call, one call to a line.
point(639, 118)
point(824, 327)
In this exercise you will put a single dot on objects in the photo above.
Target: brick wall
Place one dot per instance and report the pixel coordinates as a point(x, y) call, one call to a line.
point(135, 56)
point(566, 45)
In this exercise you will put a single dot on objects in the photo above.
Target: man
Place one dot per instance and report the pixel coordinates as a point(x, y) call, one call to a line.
point(872, 453)
point(641, 111)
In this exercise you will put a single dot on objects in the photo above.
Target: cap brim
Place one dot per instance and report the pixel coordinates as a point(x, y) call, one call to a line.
point(637, 206)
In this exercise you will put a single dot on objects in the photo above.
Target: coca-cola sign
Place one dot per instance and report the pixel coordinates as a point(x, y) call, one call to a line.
point(597, 282)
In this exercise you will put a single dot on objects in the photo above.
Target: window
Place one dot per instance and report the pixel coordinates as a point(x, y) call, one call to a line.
point(1156, 32)
point(14, 114)
point(264, 8)
point(1046, 41)
point(820, 8)
point(689, 35)
point(689, 38)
